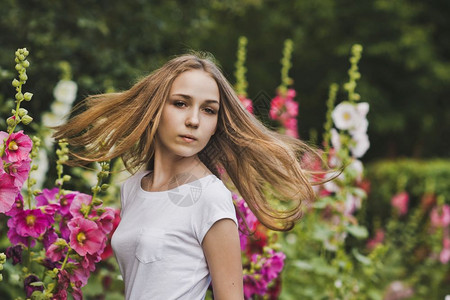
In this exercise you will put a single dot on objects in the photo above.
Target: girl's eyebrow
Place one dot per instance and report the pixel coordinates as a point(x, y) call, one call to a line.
point(187, 97)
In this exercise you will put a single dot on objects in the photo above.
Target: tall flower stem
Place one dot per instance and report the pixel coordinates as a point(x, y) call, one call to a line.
point(241, 81)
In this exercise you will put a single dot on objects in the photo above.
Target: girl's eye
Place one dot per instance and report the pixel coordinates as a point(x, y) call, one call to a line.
point(210, 111)
point(179, 104)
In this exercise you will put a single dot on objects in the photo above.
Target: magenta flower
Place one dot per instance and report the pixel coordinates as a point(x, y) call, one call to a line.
point(400, 202)
point(16, 207)
point(14, 237)
point(31, 222)
point(65, 201)
point(440, 216)
point(56, 250)
point(63, 228)
point(80, 276)
point(80, 204)
point(47, 196)
point(105, 221)
point(18, 146)
point(248, 104)
point(283, 107)
point(273, 265)
point(49, 237)
point(249, 218)
point(20, 171)
point(85, 236)
point(291, 127)
point(8, 192)
point(444, 257)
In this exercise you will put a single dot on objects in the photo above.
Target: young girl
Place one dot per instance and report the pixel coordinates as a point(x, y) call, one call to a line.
point(181, 131)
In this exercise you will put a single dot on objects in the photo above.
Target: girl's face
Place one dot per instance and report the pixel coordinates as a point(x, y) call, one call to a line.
point(189, 116)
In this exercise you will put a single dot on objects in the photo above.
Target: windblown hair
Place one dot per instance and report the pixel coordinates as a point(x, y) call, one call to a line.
point(261, 164)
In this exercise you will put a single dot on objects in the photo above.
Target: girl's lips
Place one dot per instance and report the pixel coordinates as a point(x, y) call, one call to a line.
point(188, 139)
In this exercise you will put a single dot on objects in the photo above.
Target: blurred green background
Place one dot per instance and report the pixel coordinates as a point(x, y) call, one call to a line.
point(405, 66)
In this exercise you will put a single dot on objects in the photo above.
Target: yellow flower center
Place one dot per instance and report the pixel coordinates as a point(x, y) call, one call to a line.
point(81, 237)
point(13, 146)
point(30, 220)
point(347, 116)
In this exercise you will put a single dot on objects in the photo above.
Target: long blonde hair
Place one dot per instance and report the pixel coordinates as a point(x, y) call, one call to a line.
point(263, 165)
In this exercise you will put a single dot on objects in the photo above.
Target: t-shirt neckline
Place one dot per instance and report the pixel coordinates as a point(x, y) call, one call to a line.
point(161, 193)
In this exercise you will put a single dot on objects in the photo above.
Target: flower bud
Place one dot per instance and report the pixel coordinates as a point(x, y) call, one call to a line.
point(95, 189)
point(37, 192)
point(104, 186)
point(21, 57)
point(27, 96)
point(17, 53)
point(23, 77)
point(19, 96)
point(18, 67)
point(67, 177)
point(25, 63)
point(22, 112)
point(97, 202)
point(25, 52)
point(15, 83)
point(11, 121)
point(27, 119)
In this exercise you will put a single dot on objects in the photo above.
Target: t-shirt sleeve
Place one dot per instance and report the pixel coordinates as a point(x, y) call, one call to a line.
point(216, 204)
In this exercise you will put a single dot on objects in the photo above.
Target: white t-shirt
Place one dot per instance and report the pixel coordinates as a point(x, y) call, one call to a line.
point(158, 241)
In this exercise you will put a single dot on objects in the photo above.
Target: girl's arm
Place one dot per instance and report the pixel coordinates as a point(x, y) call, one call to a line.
point(223, 254)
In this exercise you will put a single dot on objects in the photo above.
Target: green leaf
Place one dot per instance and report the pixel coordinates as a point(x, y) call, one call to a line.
point(361, 258)
point(357, 231)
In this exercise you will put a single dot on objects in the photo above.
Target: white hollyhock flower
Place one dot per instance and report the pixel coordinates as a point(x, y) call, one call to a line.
point(60, 108)
point(50, 119)
point(360, 128)
point(345, 116)
point(65, 91)
point(357, 168)
point(362, 108)
point(360, 146)
point(352, 203)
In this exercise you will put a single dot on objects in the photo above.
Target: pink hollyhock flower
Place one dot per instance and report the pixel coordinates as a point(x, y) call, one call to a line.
point(16, 207)
point(107, 252)
point(440, 217)
point(249, 218)
point(14, 237)
point(273, 265)
point(55, 252)
point(19, 170)
point(377, 239)
point(8, 192)
point(80, 276)
point(291, 107)
point(85, 236)
point(49, 238)
point(62, 286)
point(63, 228)
point(291, 127)
point(248, 104)
point(400, 202)
point(80, 204)
point(291, 93)
point(47, 196)
point(104, 222)
point(65, 201)
point(18, 146)
point(31, 222)
point(89, 261)
point(444, 257)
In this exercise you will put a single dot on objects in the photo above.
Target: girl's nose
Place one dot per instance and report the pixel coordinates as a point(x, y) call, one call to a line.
point(192, 120)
